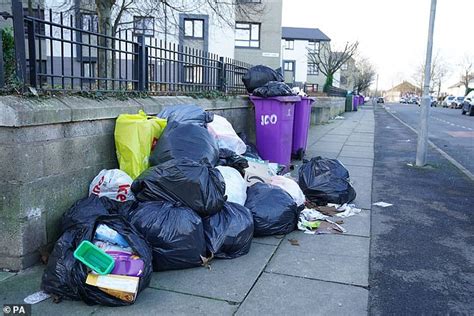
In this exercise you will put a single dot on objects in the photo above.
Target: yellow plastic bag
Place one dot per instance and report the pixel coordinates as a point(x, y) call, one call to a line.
point(135, 137)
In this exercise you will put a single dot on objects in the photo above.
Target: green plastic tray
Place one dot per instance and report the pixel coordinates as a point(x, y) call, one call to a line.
point(94, 257)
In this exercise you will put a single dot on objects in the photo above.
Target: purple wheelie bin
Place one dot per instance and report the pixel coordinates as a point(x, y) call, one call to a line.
point(301, 125)
point(274, 118)
point(355, 100)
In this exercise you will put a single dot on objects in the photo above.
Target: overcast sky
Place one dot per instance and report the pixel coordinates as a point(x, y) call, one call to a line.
point(392, 33)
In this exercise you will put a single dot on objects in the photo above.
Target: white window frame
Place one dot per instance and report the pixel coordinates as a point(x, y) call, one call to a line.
point(194, 29)
point(313, 69)
point(289, 44)
point(253, 40)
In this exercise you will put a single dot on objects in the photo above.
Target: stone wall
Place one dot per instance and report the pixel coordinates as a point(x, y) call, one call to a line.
point(326, 108)
point(51, 149)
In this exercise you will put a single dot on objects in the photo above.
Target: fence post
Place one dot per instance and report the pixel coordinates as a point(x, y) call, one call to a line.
point(32, 52)
point(142, 64)
point(222, 75)
point(19, 38)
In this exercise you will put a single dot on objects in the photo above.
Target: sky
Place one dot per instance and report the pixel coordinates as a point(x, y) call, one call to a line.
point(392, 34)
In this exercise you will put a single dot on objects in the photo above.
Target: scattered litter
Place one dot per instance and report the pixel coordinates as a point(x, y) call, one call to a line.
point(409, 164)
point(294, 242)
point(36, 297)
point(346, 210)
point(382, 204)
point(339, 118)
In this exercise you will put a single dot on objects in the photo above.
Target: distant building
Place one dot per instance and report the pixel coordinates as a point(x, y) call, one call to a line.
point(296, 43)
point(459, 89)
point(404, 89)
point(347, 75)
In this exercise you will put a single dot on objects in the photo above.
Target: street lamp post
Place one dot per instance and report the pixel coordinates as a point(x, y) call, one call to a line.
point(421, 150)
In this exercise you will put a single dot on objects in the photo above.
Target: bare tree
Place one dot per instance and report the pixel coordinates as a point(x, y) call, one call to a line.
point(329, 61)
point(439, 71)
point(364, 75)
point(467, 66)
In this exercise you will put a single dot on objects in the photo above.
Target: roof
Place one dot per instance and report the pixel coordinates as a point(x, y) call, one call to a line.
point(405, 86)
point(300, 33)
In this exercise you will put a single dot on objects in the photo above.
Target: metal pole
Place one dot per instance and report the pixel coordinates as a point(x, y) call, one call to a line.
point(421, 150)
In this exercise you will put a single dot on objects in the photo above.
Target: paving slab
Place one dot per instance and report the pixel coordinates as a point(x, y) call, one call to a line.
point(363, 188)
point(268, 240)
point(359, 144)
point(356, 172)
point(357, 225)
point(353, 148)
point(286, 295)
point(357, 154)
point(325, 154)
point(364, 162)
point(360, 139)
point(228, 280)
point(159, 302)
point(336, 258)
point(6, 275)
point(335, 138)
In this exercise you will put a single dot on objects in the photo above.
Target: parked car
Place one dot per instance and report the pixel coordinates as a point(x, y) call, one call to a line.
point(380, 100)
point(447, 101)
point(457, 103)
point(434, 101)
point(366, 99)
point(403, 100)
point(468, 104)
point(414, 100)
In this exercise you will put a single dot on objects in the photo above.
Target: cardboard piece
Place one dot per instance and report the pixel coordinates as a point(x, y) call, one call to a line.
point(120, 286)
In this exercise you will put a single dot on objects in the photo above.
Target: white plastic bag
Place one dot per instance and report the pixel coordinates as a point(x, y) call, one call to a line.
point(225, 135)
point(113, 184)
point(235, 187)
point(290, 186)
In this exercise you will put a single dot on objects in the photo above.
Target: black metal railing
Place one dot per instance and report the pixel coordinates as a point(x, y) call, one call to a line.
point(70, 57)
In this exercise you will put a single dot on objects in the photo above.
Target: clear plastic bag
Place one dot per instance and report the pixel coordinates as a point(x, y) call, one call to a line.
point(225, 135)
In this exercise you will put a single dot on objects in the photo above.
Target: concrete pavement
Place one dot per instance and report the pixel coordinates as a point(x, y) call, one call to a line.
point(325, 274)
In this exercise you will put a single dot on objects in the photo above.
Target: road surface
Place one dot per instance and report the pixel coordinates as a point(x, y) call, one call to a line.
point(448, 129)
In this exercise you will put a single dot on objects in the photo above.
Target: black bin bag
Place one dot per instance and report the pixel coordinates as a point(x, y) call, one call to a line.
point(198, 186)
point(65, 277)
point(273, 89)
point(229, 158)
point(181, 140)
point(187, 113)
point(258, 76)
point(324, 180)
point(274, 210)
point(175, 234)
point(229, 233)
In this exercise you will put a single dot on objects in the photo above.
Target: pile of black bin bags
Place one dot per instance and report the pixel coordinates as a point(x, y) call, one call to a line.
point(264, 82)
point(180, 217)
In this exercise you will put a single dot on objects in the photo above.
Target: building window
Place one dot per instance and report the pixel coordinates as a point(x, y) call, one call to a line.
point(144, 25)
point(247, 35)
point(313, 69)
point(344, 67)
point(89, 69)
point(89, 22)
point(288, 66)
point(289, 44)
point(313, 46)
point(193, 28)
